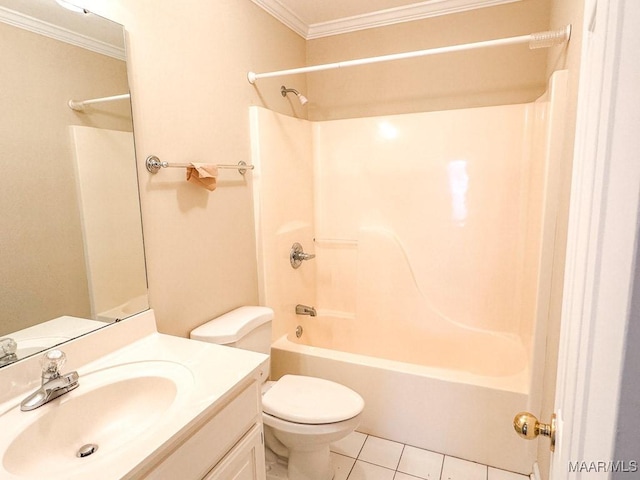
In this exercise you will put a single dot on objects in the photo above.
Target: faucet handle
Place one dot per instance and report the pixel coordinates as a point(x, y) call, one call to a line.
point(8, 346)
point(52, 362)
point(297, 255)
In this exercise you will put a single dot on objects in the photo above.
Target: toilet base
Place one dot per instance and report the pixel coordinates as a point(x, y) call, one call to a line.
point(276, 466)
point(306, 445)
point(310, 465)
point(277, 472)
point(305, 466)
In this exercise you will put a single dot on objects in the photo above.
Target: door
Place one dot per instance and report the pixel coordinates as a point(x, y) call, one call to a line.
point(602, 243)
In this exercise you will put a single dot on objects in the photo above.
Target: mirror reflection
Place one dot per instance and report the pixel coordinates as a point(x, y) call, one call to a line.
point(71, 250)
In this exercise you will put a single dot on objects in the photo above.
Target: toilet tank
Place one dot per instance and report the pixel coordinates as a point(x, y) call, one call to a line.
point(248, 328)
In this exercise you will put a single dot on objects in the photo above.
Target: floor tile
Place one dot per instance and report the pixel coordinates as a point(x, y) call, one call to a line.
point(276, 472)
point(381, 452)
point(349, 445)
point(421, 463)
point(341, 466)
point(405, 476)
point(457, 469)
point(496, 474)
point(367, 471)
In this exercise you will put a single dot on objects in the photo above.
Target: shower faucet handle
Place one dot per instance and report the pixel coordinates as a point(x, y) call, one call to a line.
point(297, 255)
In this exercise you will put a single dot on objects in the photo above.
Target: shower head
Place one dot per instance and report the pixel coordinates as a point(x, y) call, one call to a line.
point(284, 90)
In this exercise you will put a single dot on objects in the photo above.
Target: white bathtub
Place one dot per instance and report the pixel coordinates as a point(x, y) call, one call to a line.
point(466, 411)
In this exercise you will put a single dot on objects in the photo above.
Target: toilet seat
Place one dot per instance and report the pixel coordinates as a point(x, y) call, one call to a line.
point(311, 401)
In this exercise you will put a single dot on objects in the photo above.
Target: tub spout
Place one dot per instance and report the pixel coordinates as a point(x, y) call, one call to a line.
point(305, 310)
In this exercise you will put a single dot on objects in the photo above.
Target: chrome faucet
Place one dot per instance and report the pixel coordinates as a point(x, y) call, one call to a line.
point(54, 384)
point(297, 255)
point(305, 310)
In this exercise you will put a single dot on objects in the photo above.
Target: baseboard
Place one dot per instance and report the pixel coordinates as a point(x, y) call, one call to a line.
point(536, 472)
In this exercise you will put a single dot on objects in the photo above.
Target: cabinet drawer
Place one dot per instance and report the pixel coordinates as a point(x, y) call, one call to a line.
point(207, 446)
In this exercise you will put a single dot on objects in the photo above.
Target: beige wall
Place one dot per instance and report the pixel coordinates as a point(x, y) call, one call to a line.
point(188, 66)
point(41, 256)
point(498, 76)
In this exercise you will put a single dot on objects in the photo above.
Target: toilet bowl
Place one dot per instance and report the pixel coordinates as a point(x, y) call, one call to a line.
point(302, 415)
point(306, 414)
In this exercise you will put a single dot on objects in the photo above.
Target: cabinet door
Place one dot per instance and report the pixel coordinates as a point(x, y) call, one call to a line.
point(245, 461)
point(214, 440)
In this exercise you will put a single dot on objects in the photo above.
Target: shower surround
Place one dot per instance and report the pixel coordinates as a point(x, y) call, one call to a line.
point(433, 234)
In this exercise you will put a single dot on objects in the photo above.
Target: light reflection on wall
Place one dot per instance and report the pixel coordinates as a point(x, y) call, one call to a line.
point(458, 184)
point(387, 131)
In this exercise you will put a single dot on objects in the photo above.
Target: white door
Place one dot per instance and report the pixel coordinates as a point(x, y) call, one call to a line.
point(603, 233)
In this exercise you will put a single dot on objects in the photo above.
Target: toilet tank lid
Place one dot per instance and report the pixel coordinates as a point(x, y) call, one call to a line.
point(233, 325)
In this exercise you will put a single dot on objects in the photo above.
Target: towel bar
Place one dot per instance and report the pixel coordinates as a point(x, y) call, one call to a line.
point(154, 164)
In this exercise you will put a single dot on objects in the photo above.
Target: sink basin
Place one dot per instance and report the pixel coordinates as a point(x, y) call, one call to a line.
point(110, 408)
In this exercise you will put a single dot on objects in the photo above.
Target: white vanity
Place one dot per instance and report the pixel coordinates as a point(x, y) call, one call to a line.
point(149, 406)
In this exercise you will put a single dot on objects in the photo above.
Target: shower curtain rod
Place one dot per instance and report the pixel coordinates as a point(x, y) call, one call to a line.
point(79, 105)
point(535, 40)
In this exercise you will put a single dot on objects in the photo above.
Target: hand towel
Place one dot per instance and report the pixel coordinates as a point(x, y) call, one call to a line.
point(203, 174)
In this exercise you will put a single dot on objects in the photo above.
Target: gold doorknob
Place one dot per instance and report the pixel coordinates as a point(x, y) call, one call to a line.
point(528, 427)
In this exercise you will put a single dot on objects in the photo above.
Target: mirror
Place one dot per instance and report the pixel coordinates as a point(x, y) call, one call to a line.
point(71, 249)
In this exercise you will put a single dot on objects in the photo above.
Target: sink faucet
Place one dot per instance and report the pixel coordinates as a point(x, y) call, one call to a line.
point(8, 347)
point(305, 310)
point(54, 384)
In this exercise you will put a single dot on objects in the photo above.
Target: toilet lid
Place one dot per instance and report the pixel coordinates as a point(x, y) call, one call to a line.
point(311, 400)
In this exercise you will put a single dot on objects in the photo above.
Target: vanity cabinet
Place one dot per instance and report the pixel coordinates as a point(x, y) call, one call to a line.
point(226, 445)
point(159, 407)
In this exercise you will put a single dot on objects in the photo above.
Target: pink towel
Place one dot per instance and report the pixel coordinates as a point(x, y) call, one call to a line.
point(203, 174)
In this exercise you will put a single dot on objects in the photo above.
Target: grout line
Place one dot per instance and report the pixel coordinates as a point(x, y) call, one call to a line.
point(362, 446)
point(442, 467)
point(352, 467)
point(486, 467)
point(400, 457)
point(409, 475)
point(358, 454)
point(379, 466)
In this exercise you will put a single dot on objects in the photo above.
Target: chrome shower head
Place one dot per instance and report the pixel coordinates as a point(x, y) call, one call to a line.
point(301, 98)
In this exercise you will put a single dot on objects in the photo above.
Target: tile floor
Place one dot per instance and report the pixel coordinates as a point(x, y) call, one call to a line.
point(363, 457)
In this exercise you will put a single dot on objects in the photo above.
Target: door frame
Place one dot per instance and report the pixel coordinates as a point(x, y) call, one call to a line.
point(602, 239)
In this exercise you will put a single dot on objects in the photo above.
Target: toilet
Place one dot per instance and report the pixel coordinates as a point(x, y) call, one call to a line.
point(302, 415)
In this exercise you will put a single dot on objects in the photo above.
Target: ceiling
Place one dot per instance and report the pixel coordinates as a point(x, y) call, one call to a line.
point(321, 18)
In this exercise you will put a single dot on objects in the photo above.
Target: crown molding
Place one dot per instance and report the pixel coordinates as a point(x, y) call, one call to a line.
point(59, 33)
point(284, 15)
point(407, 13)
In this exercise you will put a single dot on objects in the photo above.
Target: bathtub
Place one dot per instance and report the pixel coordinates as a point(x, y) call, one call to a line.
point(465, 410)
